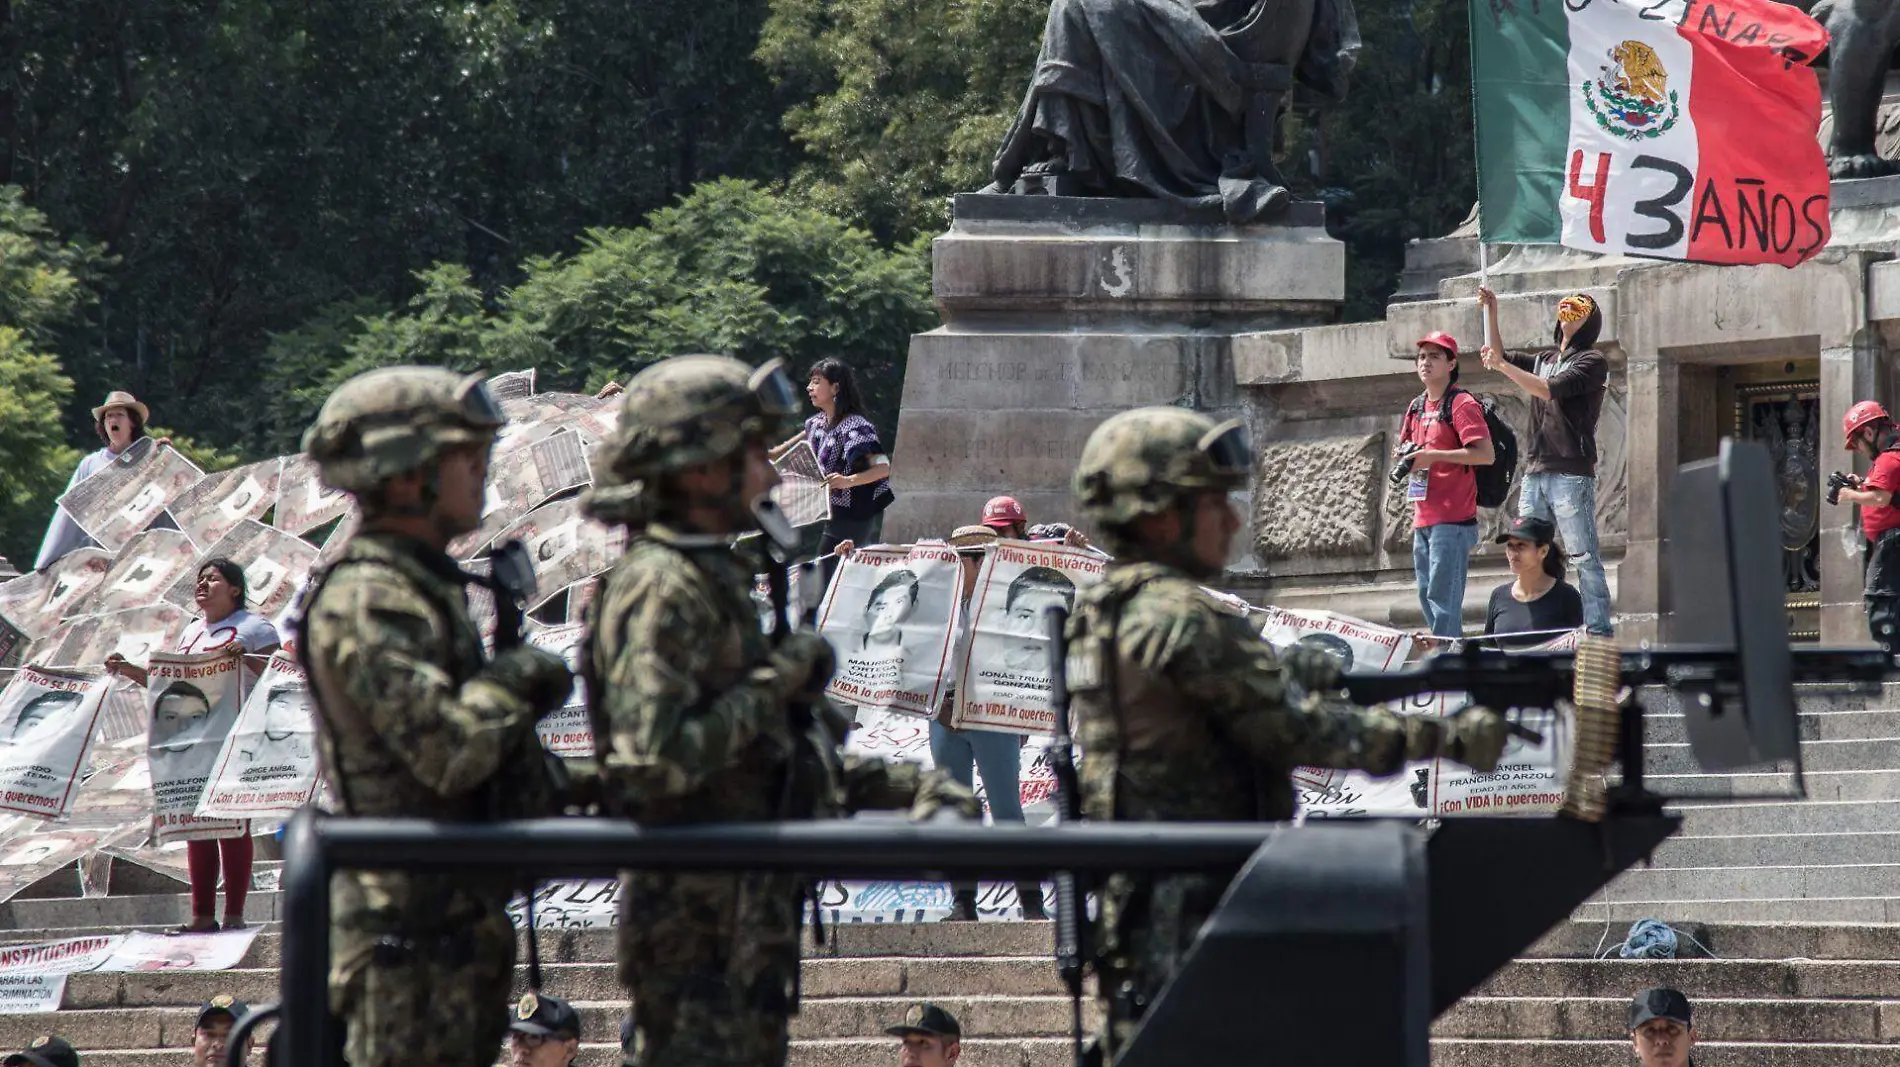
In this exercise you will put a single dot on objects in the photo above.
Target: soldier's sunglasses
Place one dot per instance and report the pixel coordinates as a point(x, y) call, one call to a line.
point(773, 389)
point(477, 404)
point(1228, 448)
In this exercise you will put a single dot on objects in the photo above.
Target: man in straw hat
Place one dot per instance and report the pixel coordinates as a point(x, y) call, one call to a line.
point(119, 421)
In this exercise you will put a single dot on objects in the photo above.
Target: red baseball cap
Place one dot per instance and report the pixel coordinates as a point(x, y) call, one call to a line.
point(1003, 511)
point(1442, 340)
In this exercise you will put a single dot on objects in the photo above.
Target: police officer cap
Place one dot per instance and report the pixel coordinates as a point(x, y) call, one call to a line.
point(44, 1051)
point(222, 1004)
point(538, 1013)
point(928, 1020)
point(1660, 1003)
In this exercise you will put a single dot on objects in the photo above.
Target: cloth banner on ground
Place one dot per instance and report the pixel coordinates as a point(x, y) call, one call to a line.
point(891, 617)
point(275, 565)
point(524, 478)
point(512, 385)
point(801, 492)
point(47, 724)
point(303, 501)
point(1674, 129)
point(1357, 645)
point(67, 956)
point(35, 603)
point(564, 546)
point(26, 994)
point(268, 764)
point(566, 731)
point(123, 497)
point(192, 702)
point(137, 951)
point(1003, 679)
point(208, 510)
point(134, 633)
point(146, 567)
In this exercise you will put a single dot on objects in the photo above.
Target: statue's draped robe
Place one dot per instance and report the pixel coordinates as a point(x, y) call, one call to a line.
point(1147, 97)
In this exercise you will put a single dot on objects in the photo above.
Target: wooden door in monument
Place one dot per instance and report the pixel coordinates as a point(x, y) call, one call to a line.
point(1786, 417)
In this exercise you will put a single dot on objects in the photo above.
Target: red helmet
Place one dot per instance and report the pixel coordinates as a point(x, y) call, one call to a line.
point(1442, 340)
point(1003, 511)
point(1860, 416)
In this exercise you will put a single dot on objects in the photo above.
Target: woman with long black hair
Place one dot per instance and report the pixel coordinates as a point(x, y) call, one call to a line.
point(850, 456)
point(1537, 601)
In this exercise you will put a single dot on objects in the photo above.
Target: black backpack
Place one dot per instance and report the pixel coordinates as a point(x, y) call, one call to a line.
point(1494, 480)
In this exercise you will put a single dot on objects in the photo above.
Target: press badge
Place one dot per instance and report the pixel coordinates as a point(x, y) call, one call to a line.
point(1415, 486)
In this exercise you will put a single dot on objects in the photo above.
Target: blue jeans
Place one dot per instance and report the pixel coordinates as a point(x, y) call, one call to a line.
point(1570, 501)
point(998, 755)
point(1441, 555)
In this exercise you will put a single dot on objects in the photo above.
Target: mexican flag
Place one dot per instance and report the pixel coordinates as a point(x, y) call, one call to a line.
point(1676, 129)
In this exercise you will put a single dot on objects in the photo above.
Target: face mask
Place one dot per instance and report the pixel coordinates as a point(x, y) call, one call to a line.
point(1574, 309)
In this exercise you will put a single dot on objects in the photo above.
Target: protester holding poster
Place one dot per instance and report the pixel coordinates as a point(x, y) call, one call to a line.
point(889, 616)
point(963, 753)
point(1004, 666)
point(193, 700)
point(119, 422)
point(220, 594)
point(268, 764)
point(47, 724)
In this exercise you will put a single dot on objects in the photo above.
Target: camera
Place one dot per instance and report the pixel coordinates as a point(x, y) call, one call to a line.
point(1838, 481)
point(1402, 462)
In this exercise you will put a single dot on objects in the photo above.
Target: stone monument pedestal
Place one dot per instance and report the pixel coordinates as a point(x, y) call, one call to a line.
point(1059, 312)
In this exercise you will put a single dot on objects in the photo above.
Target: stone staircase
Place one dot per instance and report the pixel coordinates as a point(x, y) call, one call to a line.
point(1792, 898)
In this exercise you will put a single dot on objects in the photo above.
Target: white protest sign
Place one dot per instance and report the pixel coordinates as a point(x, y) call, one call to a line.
point(801, 493)
point(891, 617)
point(66, 956)
point(1529, 778)
point(1003, 679)
point(27, 994)
point(192, 701)
point(47, 725)
point(268, 763)
point(142, 951)
point(566, 731)
point(125, 495)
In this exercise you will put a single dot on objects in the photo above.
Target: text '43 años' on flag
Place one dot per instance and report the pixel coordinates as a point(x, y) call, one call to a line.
point(1674, 129)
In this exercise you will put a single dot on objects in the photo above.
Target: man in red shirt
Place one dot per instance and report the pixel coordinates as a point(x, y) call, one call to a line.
point(1870, 432)
point(1442, 438)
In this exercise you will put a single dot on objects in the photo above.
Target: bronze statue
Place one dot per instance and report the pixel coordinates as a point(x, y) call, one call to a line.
point(1172, 99)
point(1864, 34)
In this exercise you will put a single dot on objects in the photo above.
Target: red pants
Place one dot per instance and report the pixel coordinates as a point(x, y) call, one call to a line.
point(202, 859)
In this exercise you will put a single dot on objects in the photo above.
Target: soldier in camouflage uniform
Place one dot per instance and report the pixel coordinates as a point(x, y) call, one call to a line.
point(414, 721)
point(697, 717)
point(1181, 711)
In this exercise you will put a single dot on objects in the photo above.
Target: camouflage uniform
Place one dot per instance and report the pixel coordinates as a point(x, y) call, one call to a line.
point(416, 723)
point(698, 718)
point(1182, 712)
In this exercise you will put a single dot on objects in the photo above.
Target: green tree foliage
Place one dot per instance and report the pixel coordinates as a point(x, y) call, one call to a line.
point(255, 163)
point(730, 268)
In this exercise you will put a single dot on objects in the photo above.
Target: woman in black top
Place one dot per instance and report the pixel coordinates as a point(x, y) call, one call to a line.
point(1537, 598)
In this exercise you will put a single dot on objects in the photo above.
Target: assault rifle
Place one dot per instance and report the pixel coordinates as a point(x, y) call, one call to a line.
point(512, 583)
point(1071, 924)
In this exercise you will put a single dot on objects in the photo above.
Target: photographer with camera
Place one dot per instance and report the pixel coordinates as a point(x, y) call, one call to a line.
point(1870, 432)
point(1443, 436)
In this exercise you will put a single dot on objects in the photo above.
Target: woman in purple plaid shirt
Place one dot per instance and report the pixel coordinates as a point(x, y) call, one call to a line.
point(850, 456)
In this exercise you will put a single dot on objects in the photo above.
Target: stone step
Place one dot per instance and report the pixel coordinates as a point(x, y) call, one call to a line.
point(1584, 1018)
point(1625, 907)
point(1846, 754)
point(1785, 817)
point(1497, 1052)
point(869, 976)
point(1779, 850)
point(1756, 883)
point(1778, 785)
point(878, 1051)
point(1721, 979)
point(124, 913)
point(1831, 724)
point(1752, 941)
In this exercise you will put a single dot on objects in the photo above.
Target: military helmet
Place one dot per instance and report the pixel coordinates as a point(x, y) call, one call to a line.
point(387, 422)
point(1140, 462)
point(694, 409)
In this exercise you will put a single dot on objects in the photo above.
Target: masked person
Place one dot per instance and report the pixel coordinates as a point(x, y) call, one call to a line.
point(1181, 711)
point(698, 717)
point(1870, 434)
point(414, 720)
point(1566, 386)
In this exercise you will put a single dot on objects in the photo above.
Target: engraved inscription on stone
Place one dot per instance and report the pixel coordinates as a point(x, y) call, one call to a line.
point(1315, 498)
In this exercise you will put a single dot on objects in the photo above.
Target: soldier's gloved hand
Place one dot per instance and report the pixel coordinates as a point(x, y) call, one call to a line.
point(1315, 671)
point(938, 791)
point(1474, 737)
point(804, 664)
point(536, 675)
